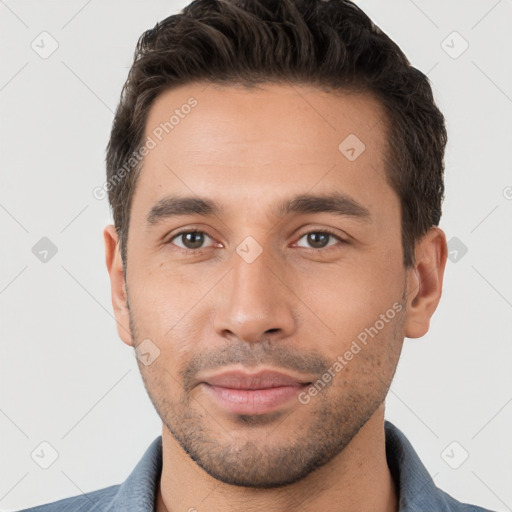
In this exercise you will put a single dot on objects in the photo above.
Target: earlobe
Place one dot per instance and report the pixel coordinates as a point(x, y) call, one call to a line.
point(117, 282)
point(425, 282)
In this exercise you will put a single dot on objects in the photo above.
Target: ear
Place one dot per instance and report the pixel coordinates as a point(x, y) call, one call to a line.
point(117, 283)
point(425, 282)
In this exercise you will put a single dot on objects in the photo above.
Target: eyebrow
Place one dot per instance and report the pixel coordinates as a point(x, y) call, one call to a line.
point(336, 202)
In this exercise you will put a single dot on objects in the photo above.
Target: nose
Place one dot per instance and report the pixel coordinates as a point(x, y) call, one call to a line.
point(256, 302)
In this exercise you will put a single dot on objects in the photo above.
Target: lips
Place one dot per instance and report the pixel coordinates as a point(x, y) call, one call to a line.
point(261, 380)
point(239, 392)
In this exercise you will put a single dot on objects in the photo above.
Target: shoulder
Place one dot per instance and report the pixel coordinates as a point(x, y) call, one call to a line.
point(137, 492)
point(452, 505)
point(417, 490)
point(96, 500)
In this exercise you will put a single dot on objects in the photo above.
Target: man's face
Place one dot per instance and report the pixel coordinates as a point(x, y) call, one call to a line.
point(257, 289)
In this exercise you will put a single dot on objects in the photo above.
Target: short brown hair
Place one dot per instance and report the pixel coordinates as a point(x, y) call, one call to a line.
point(331, 44)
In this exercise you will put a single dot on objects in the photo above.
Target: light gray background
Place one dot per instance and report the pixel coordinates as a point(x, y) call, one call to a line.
point(67, 379)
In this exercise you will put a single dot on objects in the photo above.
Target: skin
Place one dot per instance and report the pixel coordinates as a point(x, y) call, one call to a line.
point(295, 308)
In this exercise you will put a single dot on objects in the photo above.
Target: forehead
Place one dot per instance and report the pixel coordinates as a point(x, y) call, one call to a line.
point(239, 145)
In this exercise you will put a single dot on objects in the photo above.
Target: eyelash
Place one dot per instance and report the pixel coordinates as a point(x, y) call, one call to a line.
point(202, 249)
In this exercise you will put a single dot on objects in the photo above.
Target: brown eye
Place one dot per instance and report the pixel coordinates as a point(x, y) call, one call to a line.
point(319, 239)
point(192, 240)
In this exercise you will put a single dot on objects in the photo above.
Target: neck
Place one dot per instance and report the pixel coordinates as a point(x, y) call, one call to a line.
point(356, 479)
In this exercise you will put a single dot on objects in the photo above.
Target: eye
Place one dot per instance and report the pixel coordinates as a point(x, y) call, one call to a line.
point(191, 240)
point(319, 239)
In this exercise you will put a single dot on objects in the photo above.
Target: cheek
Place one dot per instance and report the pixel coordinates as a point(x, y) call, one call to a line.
point(162, 383)
point(162, 296)
point(162, 319)
point(350, 296)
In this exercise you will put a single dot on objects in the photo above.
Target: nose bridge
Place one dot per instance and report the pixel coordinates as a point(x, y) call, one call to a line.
point(256, 299)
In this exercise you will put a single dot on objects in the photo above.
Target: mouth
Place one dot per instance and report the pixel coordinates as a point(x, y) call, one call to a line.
point(239, 392)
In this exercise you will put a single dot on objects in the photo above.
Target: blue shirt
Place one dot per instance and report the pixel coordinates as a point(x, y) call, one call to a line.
point(417, 491)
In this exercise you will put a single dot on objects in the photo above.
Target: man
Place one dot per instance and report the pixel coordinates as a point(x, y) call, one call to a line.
point(275, 171)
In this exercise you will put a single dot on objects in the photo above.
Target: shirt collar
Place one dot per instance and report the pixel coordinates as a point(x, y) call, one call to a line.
point(138, 492)
point(416, 489)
